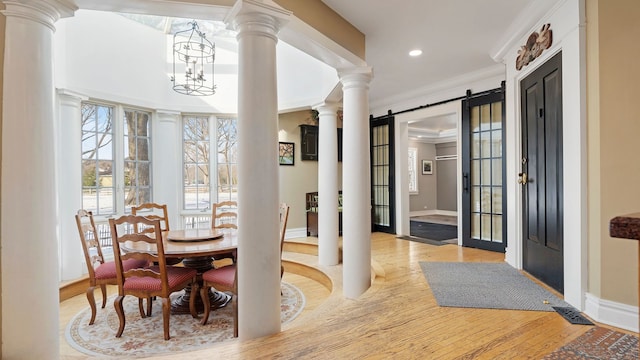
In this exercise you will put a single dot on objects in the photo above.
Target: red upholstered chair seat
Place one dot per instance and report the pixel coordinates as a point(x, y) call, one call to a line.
point(175, 277)
point(225, 275)
point(108, 269)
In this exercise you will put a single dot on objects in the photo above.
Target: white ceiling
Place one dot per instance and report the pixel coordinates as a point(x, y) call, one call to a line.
point(456, 37)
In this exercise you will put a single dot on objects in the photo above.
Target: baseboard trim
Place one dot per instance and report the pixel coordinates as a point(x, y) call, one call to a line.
point(433, 212)
point(295, 233)
point(612, 313)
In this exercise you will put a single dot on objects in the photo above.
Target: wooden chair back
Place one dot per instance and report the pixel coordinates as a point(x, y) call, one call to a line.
point(224, 215)
point(152, 211)
point(150, 236)
point(90, 241)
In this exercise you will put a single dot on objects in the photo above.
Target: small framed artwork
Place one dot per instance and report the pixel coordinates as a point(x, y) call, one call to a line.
point(427, 167)
point(286, 153)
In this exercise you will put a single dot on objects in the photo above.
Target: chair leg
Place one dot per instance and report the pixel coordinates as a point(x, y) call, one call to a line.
point(192, 300)
point(234, 301)
point(92, 303)
point(204, 294)
point(166, 313)
point(141, 307)
point(120, 311)
point(149, 305)
point(103, 289)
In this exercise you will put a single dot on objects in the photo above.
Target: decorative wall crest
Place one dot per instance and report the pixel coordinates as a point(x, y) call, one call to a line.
point(536, 44)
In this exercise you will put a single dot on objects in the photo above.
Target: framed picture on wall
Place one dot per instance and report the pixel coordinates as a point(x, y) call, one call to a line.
point(286, 153)
point(427, 167)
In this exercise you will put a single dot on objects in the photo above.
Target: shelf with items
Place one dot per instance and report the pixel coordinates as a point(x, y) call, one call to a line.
point(312, 213)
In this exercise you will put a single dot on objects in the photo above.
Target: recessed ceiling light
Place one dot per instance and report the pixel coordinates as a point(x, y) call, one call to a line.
point(415, 52)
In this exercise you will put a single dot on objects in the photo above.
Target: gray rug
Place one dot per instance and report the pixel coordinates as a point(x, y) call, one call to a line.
point(487, 286)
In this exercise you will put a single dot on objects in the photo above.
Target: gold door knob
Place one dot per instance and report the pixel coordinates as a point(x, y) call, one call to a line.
point(522, 178)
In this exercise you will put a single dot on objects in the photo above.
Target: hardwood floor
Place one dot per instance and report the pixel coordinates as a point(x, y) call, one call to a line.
point(397, 317)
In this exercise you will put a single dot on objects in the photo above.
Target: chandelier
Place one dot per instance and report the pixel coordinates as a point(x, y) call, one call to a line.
point(193, 55)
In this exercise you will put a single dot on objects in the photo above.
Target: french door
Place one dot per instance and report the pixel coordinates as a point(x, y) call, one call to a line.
point(483, 172)
point(382, 175)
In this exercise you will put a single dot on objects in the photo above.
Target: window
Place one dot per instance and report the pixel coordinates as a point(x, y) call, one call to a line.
point(197, 161)
point(196, 153)
point(137, 158)
point(413, 170)
point(98, 186)
point(227, 159)
point(105, 168)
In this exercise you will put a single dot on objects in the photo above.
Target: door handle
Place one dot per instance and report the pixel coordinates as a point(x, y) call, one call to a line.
point(522, 179)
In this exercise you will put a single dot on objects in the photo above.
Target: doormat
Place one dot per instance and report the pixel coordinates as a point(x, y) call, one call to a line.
point(599, 343)
point(487, 286)
point(572, 315)
point(432, 231)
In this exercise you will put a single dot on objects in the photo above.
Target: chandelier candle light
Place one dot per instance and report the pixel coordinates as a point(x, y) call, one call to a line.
point(196, 54)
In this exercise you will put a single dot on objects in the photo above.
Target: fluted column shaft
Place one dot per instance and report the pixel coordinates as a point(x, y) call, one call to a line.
point(29, 213)
point(328, 185)
point(356, 182)
point(258, 196)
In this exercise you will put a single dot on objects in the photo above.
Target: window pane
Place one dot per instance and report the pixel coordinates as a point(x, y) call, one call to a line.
point(97, 158)
point(227, 148)
point(137, 151)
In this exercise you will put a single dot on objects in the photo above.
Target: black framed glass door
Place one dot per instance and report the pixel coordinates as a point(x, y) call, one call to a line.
point(483, 172)
point(382, 175)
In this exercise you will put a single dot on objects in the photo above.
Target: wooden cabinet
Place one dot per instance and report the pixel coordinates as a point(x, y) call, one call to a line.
point(309, 142)
point(312, 213)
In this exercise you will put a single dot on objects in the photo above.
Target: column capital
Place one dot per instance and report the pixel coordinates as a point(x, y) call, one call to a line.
point(358, 76)
point(168, 115)
point(327, 108)
point(45, 12)
point(69, 95)
point(256, 17)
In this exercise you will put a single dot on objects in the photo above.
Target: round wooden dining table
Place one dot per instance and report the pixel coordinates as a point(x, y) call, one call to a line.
point(197, 248)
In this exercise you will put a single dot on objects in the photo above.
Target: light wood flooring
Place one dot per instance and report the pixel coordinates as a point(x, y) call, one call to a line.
point(397, 317)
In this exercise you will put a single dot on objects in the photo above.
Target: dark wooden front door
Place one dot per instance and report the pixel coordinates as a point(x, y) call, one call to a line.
point(541, 177)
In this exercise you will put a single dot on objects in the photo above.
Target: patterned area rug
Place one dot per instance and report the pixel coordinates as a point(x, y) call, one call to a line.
point(599, 343)
point(144, 337)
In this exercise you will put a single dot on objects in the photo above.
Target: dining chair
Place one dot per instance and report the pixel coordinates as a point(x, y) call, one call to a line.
point(284, 216)
point(224, 278)
point(224, 215)
point(152, 211)
point(155, 211)
point(156, 281)
point(101, 272)
point(221, 279)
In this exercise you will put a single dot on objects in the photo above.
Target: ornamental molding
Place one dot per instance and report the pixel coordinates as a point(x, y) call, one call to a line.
point(535, 45)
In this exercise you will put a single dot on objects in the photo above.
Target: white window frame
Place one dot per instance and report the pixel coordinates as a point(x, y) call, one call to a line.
point(413, 170)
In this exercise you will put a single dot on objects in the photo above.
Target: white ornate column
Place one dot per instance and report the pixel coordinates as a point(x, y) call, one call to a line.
point(69, 179)
point(258, 198)
point(167, 170)
point(328, 253)
point(29, 212)
point(356, 182)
